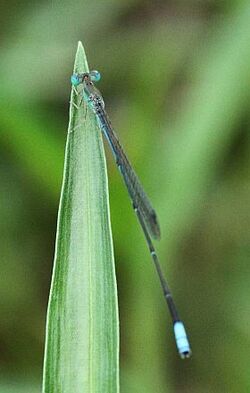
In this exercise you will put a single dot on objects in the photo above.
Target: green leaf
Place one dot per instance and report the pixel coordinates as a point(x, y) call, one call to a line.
point(81, 352)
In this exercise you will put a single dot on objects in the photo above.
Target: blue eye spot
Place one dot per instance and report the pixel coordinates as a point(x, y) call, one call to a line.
point(75, 80)
point(95, 76)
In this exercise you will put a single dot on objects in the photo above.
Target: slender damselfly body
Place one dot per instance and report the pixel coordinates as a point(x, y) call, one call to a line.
point(141, 204)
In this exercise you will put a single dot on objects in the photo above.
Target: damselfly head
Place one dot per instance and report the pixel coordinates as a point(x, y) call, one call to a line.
point(77, 79)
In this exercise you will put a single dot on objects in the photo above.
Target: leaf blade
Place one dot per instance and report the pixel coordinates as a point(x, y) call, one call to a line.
point(82, 328)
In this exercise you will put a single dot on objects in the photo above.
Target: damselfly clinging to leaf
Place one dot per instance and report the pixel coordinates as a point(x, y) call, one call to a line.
point(141, 204)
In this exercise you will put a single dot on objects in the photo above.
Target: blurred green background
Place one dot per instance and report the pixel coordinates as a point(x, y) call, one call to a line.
point(175, 78)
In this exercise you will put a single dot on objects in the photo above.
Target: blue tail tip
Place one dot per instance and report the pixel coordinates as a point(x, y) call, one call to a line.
point(181, 340)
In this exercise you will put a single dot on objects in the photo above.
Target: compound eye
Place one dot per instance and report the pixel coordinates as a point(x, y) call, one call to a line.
point(75, 80)
point(95, 76)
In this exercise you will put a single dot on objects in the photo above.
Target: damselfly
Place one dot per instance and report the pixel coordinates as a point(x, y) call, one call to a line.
point(141, 204)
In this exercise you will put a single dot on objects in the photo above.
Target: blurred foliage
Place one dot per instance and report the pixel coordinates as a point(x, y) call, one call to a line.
point(176, 84)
